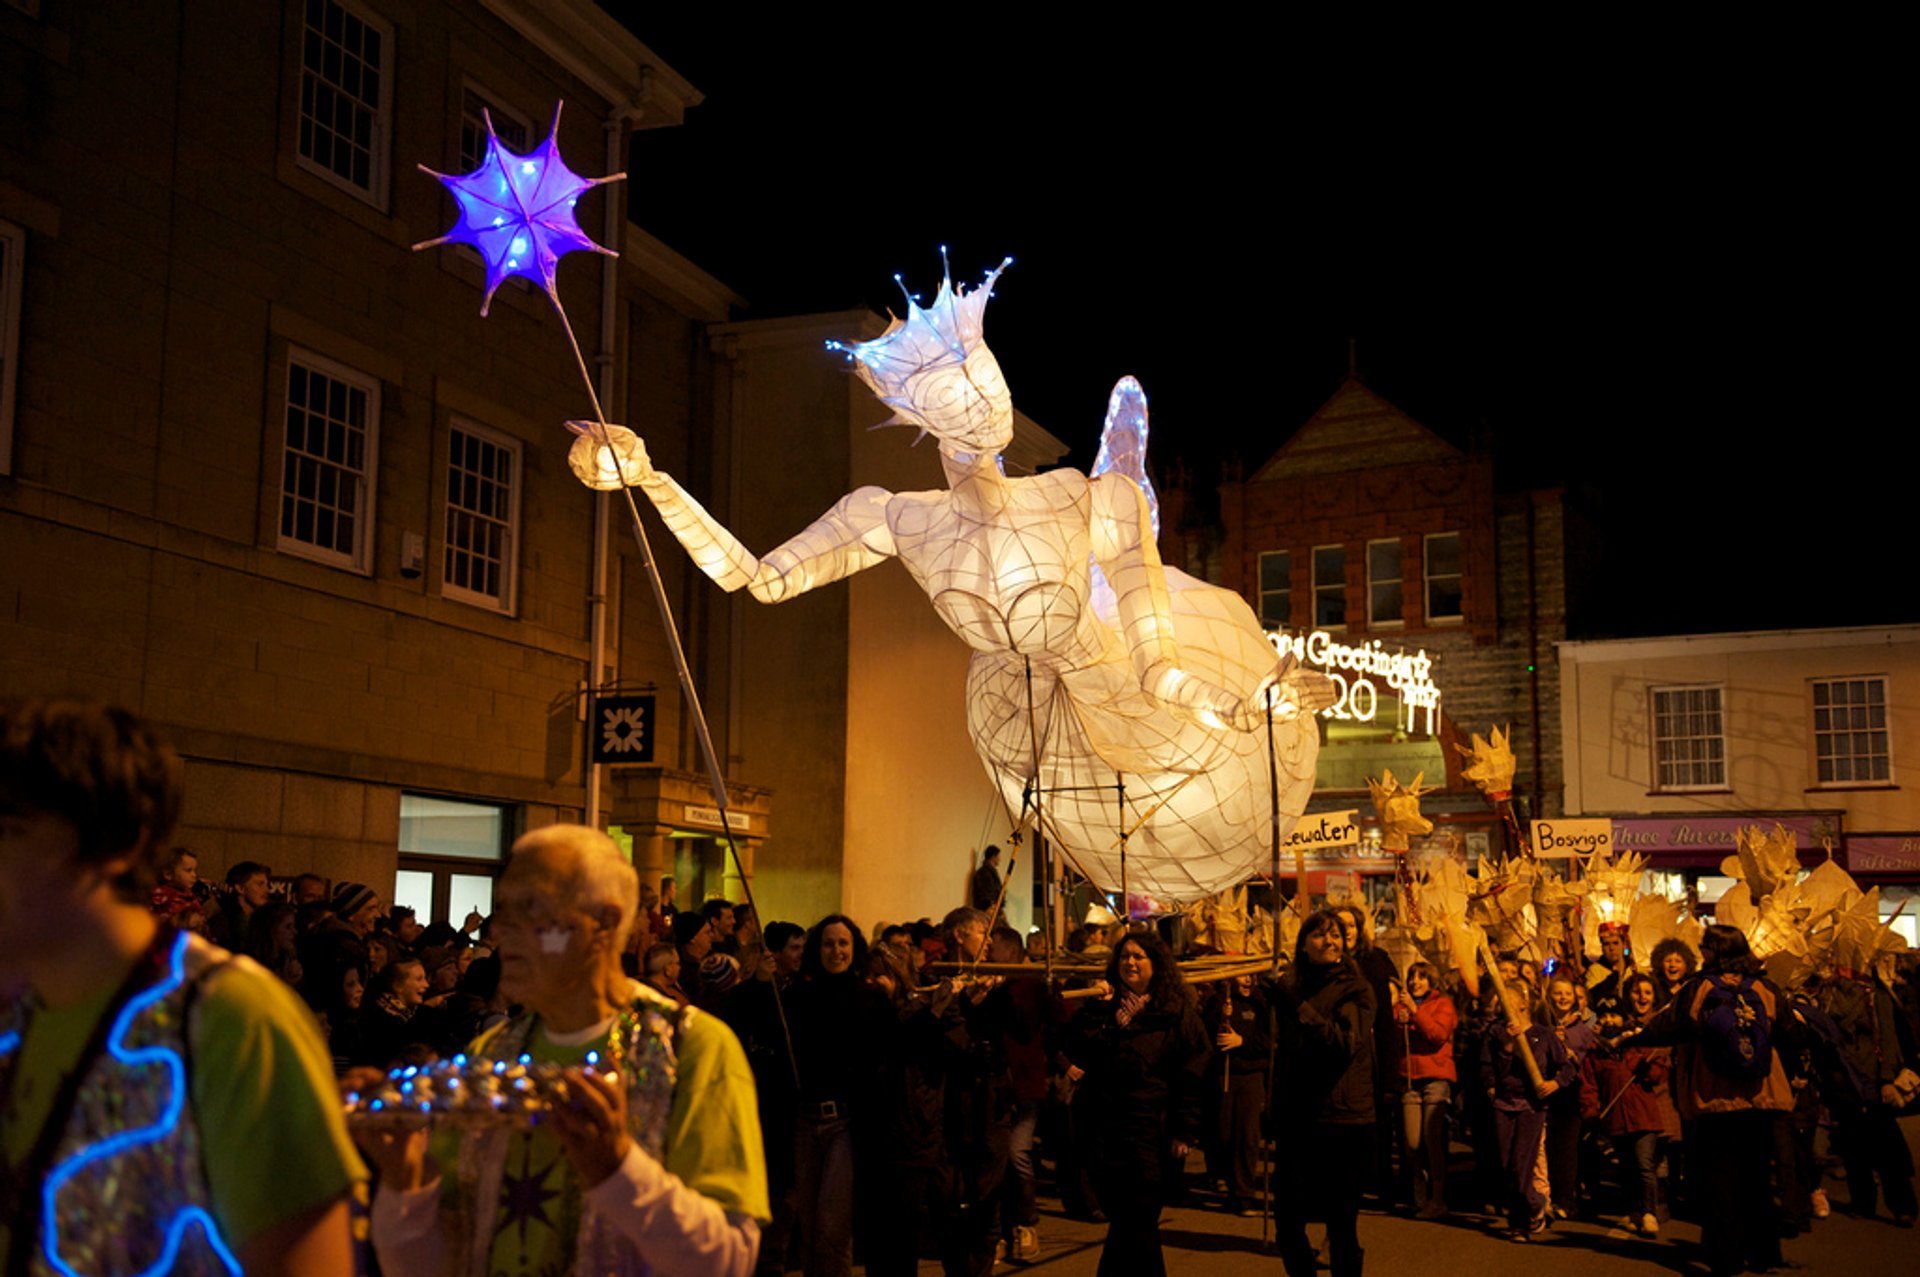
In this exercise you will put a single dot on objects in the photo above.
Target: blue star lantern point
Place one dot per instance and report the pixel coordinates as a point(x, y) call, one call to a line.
point(516, 211)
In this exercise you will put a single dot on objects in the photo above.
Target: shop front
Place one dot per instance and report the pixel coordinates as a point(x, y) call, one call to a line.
point(670, 826)
point(1891, 862)
point(1685, 851)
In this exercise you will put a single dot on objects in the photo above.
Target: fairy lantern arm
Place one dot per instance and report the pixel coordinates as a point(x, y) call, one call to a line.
point(848, 538)
point(1123, 546)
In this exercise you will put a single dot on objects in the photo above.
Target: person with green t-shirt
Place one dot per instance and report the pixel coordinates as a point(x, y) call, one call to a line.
point(165, 1106)
point(654, 1163)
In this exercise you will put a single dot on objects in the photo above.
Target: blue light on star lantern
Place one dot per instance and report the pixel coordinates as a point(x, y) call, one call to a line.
point(516, 211)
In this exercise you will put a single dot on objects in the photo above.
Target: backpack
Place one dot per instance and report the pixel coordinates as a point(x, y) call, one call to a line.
point(1736, 1033)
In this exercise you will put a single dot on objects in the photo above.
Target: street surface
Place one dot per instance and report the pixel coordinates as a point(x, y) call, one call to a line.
point(1200, 1242)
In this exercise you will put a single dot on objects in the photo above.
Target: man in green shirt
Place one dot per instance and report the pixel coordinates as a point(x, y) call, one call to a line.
point(163, 1105)
point(653, 1165)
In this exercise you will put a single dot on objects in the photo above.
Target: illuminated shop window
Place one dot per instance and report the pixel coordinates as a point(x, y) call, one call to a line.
point(1329, 587)
point(483, 516)
point(1276, 589)
point(1689, 738)
point(1383, 584)
point(1443, 577)
point(332, 425)
point(451, 852)
point(346, 92)
point(1850, 731)
point(1353, 749)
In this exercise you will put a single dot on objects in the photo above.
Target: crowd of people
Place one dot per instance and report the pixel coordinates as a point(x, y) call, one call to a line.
point(907, 1114)
point(889, 1100)
point(921, 1109)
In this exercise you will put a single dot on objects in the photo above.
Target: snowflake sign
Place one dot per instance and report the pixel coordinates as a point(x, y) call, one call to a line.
point(516, 211)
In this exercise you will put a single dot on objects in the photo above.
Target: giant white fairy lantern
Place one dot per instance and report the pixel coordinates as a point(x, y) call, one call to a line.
point(1093, 664)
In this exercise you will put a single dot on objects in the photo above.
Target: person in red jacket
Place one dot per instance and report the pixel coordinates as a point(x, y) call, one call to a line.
point(1422, 1047)
point(1623, 1086)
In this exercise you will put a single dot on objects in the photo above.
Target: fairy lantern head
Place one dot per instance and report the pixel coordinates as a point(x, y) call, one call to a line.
point(934, 370)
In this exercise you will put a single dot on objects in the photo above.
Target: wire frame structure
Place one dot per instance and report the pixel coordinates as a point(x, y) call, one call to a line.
point(1095, 669)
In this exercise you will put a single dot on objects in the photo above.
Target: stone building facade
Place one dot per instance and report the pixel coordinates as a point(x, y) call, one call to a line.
point(1369, 526)
point(269, 477)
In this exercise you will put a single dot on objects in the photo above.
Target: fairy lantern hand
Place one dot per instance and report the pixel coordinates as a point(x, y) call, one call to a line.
point(608, 458)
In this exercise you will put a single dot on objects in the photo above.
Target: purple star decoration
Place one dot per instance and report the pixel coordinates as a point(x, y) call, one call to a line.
point(516, 211)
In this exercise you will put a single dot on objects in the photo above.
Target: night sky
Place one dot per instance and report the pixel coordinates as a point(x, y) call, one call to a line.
point(1642, 269)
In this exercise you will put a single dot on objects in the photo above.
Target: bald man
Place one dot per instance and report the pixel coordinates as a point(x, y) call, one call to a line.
point(661, 1172)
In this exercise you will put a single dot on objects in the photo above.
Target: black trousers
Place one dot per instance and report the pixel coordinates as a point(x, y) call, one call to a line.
point(1322, 1170)
point(1871, 1145)
point(1132, 1191)
point(1732, 1158)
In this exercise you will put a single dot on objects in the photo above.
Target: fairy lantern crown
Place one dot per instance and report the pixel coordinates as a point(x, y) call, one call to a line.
point(934, 370)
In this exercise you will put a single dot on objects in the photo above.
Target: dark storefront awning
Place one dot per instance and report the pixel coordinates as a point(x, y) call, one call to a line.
point(1882, 858)
point(1674, 841)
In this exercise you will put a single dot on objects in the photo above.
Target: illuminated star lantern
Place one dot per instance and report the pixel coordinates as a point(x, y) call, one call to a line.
point(516, 211)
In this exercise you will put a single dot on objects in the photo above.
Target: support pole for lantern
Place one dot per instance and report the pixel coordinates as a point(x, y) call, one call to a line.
point(1273, 834)
point(516, 211)
point(1126, 901)
point(1512, 1009)
point(716, 778)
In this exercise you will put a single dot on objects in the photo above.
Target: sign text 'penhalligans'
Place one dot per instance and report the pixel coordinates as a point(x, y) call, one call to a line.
point(1356, 669)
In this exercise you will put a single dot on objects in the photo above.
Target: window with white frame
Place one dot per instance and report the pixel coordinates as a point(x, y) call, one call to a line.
point(1383, 584)
point(483, 512)
point(1850, 731)
point(1329, 587)
point(1276, 588)
point(476, 107)
point(13, 261)
point(1444, 598)
point(1689, 738)
point(346, 95)
point(326, 495)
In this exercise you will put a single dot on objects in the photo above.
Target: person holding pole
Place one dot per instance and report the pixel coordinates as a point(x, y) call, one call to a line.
point(1323, 1097)
point(1140, 1056)
point(1424, 1020)
point(1522, 1064)
point(1623, 1091)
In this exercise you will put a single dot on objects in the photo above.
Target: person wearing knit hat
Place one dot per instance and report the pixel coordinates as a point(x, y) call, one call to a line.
point(357, 905)
point(719, 972)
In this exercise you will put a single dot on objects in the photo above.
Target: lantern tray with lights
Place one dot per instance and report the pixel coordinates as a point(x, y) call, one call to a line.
point(463, 1091)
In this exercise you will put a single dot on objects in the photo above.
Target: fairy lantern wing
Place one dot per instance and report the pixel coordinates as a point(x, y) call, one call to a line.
point(1123, 442)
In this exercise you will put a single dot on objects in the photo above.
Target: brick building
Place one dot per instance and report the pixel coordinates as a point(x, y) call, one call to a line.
point(1371, 528)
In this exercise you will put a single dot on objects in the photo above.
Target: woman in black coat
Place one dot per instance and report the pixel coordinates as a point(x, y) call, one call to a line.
point(1139, 1057)
point(1323, 1097)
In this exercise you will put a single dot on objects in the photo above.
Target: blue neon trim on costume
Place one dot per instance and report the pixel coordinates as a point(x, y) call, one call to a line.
point(9, 1043)
point(118, 1142)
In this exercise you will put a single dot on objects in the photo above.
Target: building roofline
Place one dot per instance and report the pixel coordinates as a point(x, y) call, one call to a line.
point(1351, 380)
point(707, 297)
point(1574, 651)
point(608, 58)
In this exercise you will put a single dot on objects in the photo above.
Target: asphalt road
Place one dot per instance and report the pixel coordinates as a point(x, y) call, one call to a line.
point(1200, 1241)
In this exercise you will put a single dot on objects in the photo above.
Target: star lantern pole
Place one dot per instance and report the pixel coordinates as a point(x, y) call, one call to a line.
point(516, 211)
